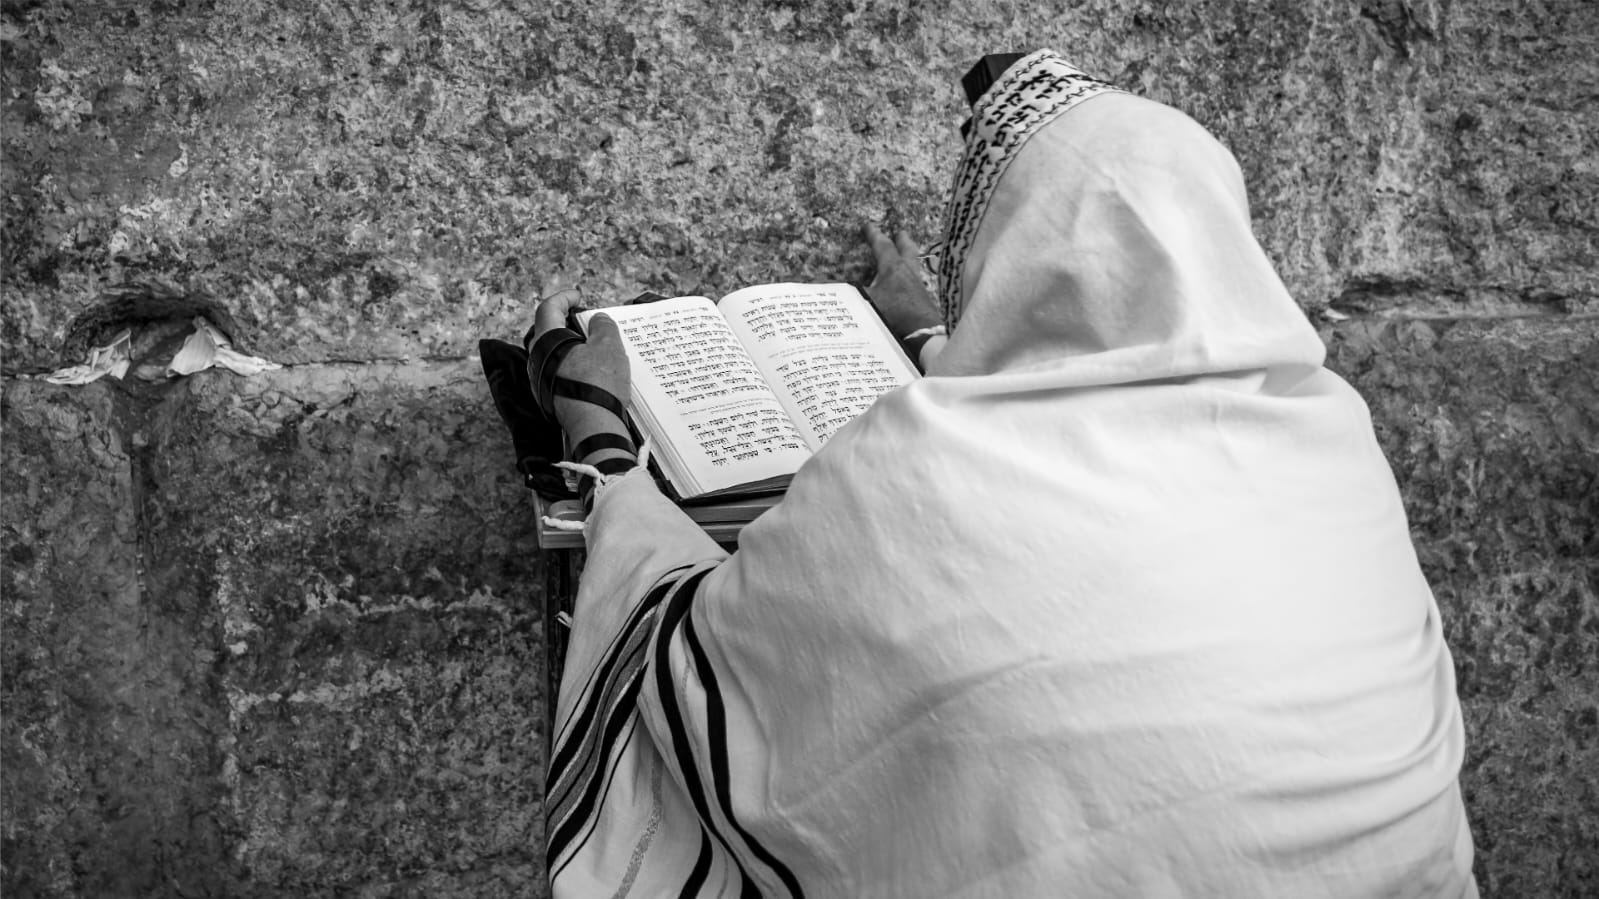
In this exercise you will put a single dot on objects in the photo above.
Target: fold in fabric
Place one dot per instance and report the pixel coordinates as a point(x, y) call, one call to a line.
point(1056, 619)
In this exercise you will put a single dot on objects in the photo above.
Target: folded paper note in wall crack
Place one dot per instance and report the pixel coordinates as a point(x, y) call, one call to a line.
point(208, 347)
point(112, 359)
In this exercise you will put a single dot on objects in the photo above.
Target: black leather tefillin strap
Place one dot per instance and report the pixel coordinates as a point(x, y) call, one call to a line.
point(588, 393)
point(544, 359)
point(602, 441)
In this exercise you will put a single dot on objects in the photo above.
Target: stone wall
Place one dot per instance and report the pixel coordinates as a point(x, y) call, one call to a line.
point(278, 635)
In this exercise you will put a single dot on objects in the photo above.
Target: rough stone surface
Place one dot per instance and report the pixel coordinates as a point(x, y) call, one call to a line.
point(358, 180)
point(270, 637)
point(278, 636)
point(374, 569)
point(110, 765)
point(1493, 432)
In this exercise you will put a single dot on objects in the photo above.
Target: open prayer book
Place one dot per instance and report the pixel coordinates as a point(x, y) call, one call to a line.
point(736, 395)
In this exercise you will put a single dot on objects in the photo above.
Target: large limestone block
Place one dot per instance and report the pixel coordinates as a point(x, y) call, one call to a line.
point(1492, 429)
point(110, 755)
point(271, 636)
point(373, 565)
point(357, 180)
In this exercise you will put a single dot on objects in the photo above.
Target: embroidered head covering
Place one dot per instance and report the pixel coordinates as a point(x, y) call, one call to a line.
point(1111, 245)
point(1033, 92)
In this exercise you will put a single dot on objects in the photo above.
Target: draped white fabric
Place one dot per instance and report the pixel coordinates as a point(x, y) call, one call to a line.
point(1119, 601)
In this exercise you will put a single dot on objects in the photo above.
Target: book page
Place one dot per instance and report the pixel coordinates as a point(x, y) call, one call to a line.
point(697, 392)
point(822, 348)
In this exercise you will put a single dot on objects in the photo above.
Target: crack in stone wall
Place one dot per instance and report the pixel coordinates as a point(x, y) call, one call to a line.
point(248, 655)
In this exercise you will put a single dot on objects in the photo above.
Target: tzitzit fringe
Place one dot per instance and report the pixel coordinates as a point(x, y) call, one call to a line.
point(601, 481)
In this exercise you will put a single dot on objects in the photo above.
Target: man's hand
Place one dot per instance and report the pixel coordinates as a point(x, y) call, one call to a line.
point(902, 300)
point(600, 362)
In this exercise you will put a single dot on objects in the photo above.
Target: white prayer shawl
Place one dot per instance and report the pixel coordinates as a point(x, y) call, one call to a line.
point(1119, 601)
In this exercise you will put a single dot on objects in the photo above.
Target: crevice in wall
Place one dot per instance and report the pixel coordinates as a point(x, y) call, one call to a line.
point(140, 303)
point(1385, 296)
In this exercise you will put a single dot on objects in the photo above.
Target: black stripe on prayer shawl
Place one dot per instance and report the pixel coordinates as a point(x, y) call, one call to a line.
point(676, 609)
point(617, 689)
point(588, 822)
point(623, 651)
point(716, 727)
point(617, 698)
point(578, 816)
point(574, 792)
point(677, 613)
point(602, 671)
point(702, 870)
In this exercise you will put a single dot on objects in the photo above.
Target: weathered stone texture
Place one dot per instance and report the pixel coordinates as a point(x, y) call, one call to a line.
point(110, 703)
point(287, 642)
point(1493, 432)
point(373, 565)
point(365, 180)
